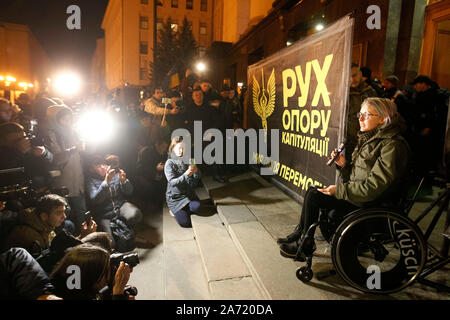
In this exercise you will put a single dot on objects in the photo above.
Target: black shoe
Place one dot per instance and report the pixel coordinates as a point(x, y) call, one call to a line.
point(289, 250)
point(294, 236)
point(218, 179)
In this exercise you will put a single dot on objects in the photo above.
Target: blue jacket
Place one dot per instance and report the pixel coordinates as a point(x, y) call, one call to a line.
point(105, 199)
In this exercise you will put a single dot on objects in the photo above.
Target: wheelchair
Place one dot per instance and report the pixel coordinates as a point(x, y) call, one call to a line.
point(382, 241)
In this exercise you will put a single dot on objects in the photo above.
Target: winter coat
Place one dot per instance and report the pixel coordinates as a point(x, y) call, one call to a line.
point(379, 168)
point(66, 157)
point(105, 200)
point(180, 187)
point(356, 98)
point(31, 233)
point(21, 277)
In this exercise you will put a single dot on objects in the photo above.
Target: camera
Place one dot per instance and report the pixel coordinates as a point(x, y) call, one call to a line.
point(131, 259)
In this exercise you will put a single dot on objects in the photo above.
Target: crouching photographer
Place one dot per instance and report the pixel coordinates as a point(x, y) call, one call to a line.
point(85, 271)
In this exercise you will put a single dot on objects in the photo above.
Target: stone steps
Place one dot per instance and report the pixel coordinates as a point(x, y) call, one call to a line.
point(184, 277)
point(252, 227)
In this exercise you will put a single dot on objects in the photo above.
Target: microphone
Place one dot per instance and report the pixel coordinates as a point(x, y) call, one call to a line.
point(339, 150)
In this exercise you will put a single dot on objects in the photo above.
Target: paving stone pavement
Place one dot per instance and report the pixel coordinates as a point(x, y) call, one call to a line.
point(231, 251)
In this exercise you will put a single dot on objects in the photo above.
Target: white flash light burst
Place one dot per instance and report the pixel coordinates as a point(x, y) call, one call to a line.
point(67, 84)
point(201, 66)
point(95, 127)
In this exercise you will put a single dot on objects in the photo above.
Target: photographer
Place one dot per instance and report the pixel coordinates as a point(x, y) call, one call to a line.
point(150, 172)
point(107, 190)
point(16, 151)
point(66, 148)
point(95, 274)
point(21, 277)
point(375, 175)
point(36, 226)
point(155, 107)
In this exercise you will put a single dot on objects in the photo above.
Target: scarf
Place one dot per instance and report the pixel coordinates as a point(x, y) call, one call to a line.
point(363, 137)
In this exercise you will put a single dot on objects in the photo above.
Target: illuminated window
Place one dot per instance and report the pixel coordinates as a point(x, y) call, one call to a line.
point(143, 23)
point(204, 5)
point(143, 48)
point(203, 29)
point(159, 24)
point(189, 4)
point(143, 74)
point(174, 3)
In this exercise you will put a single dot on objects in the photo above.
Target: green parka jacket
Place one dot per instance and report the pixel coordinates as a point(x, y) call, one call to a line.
point(379, 168)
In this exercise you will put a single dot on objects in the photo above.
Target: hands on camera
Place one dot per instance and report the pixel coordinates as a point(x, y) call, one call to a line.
point(121, 278)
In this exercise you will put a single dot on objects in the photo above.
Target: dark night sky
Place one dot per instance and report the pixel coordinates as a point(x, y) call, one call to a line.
point(47, 20)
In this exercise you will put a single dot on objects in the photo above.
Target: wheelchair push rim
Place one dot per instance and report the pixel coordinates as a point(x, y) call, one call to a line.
point(378, 251)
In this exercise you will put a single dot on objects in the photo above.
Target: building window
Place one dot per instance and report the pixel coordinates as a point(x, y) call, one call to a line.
point(143, 74)
point(159, 24)
point(174, 3)
point(204, 5)
point(201, 52)
point(203, 29)
point(144, 1)
point(143, 48)
point(189, 4)
point(143, 22)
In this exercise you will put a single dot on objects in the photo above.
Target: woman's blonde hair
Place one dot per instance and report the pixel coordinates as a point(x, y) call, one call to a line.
point(174, 142)
point(384, 107)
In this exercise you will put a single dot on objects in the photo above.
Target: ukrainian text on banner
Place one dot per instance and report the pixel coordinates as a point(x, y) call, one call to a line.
point(302, 91)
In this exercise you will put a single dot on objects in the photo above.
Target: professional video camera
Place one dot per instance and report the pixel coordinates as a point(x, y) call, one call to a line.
point(24, 194)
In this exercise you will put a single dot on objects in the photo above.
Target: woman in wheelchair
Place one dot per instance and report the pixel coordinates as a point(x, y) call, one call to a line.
point(374, 177)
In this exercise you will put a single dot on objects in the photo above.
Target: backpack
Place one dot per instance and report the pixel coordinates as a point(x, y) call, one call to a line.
point(123, 235)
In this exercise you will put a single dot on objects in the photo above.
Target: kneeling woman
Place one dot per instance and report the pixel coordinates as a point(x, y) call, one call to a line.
point(181, 181)
point(374, 177)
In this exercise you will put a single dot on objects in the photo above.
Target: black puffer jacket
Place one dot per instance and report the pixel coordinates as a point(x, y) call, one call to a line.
point(21, 277)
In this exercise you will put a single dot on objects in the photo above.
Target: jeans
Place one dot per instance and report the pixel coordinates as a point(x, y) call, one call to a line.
point(183, 216)
point(129, 212)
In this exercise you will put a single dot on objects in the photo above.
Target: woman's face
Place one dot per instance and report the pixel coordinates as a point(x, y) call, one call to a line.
point(178, 150)
point(369, 119)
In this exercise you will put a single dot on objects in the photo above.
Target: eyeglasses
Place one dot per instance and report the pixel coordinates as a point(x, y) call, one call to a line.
point(365, 115)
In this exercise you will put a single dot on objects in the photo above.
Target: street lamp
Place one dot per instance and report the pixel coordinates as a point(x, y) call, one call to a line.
point(201, 66)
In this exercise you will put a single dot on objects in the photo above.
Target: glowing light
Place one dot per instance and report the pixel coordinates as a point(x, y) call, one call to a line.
point(67, 84)
point(201, 66)
point(288, 43)
point(240, 84)
point(95, 126)
point(2, 78)
point(319, 27)
point(23, 84)
point(30, 85)
point(10, 79)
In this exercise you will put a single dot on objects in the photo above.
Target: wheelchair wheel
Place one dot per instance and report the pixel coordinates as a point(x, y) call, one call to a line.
point(378, 251)
point(304, 274)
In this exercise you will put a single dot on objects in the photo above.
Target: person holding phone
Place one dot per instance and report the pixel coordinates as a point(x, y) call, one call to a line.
point(182, 179)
